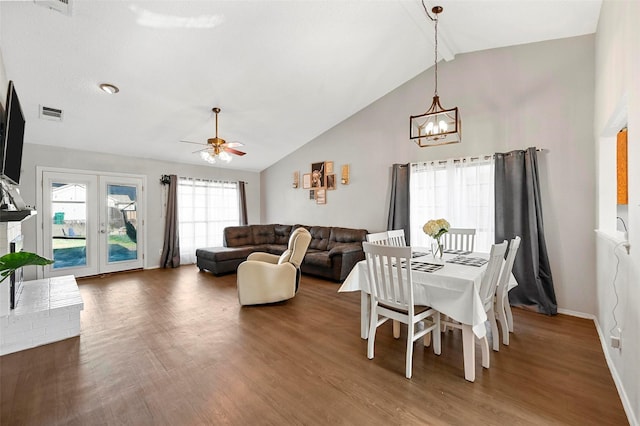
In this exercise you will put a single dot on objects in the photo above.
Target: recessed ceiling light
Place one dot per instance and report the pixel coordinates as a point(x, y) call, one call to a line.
point(109, 88)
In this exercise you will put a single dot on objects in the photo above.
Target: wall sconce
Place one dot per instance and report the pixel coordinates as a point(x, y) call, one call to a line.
point(345, 174)
point(296, 180)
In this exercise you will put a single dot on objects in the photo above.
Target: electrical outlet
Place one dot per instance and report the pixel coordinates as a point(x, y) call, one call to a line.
point(615, 342)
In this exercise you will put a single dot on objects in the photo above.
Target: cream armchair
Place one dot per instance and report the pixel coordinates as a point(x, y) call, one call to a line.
point(268, 278)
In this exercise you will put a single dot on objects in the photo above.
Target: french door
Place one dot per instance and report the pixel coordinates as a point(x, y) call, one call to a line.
point(92, 224)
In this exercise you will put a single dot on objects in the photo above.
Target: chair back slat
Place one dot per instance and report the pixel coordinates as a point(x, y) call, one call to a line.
point(492, 273)
point(390, 283)
point(378, 238)
point(460, 239)
point(396, 238)
point(503, 283)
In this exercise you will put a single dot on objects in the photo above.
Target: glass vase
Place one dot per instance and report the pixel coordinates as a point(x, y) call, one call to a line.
point(436, 249)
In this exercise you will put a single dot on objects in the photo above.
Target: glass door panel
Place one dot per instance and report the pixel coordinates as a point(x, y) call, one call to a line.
point(120, 223)
point(122, 229)
point(70, 223)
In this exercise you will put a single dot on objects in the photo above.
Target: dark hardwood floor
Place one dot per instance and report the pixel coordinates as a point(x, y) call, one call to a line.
point(173, 347)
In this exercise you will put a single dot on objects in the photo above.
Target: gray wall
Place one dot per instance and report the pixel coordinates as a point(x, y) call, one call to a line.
point(618, 89)
point(41, 155)
point(539, 94)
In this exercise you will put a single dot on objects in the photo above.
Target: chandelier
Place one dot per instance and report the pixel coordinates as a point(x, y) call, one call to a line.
point(437, 126)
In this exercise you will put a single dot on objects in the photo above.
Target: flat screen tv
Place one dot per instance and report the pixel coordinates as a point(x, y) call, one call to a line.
point(12, 138)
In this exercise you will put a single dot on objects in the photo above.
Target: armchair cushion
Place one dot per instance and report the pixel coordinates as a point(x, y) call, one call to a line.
point(284, 257)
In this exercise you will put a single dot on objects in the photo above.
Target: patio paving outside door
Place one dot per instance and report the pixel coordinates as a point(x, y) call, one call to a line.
point(92, 224)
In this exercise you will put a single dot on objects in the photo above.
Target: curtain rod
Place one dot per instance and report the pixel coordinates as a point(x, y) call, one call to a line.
point(164, 179)
point(460, 160)
point(212, 180)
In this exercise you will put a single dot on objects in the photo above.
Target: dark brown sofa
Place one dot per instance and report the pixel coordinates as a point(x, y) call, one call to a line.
point(332, 254)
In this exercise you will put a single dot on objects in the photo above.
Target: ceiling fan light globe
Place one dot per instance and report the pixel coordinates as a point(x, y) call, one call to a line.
point(224, 156)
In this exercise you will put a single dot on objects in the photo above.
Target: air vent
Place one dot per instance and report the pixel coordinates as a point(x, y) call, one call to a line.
point(49, 113)
point(62, 6)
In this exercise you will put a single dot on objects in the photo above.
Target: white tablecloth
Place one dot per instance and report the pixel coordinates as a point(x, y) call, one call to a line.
point(452, 290)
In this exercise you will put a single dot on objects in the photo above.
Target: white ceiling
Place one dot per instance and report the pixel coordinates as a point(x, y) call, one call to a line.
point(283, 72)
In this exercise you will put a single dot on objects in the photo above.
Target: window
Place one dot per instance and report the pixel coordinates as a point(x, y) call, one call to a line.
point(205, 208)
point(461, 191)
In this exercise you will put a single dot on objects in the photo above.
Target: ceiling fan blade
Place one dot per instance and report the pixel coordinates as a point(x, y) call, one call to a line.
point(234, 144)
point(234, 151)
point(195, 143)
point(200, 150)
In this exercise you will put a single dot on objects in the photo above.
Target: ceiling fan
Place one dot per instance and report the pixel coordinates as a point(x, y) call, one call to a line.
point(217, 148)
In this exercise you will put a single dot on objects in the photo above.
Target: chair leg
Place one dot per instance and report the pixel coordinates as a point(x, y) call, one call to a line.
point(396, 329)
point(373, 327)
point(507, 310)
point(427, 339)
point(437, 345)
point(484, 345)
point(504, 325)
point(410, 332)
point(495, 334)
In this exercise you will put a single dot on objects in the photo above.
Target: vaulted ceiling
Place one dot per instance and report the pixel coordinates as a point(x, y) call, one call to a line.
point(282, 72)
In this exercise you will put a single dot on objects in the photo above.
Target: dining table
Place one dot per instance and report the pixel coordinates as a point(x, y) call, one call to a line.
point(453, 290)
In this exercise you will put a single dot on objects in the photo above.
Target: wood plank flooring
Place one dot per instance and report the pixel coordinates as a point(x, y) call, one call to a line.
point(173, 347)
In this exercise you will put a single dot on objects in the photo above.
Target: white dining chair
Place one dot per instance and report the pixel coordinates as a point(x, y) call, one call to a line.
point(459, 239)
point(391, 286)
point(502, 307)
point(396, 238)
point(378, 238)
point(487, 293)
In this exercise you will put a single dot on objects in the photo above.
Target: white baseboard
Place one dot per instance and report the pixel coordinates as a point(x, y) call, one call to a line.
point(633, 421)
point(576, 314)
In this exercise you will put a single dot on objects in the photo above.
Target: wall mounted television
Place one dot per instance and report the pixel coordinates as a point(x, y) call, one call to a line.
point(12, 138)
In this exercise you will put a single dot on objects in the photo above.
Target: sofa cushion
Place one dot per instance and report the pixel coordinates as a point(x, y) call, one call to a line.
point(236, 236)
point(275, 248)
point(263, 234)
point(318, 258)
point(346, 235)
point(282, 233)
point(220, 254)
point(320, 237)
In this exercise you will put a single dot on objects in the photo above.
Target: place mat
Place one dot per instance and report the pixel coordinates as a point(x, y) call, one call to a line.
point(418, 254)
point(469, 261)
point(422, 266)
point(451, 251)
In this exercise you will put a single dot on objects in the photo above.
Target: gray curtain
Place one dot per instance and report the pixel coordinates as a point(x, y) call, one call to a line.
point(171, 250)
point(399, 201)
point(518, 211)
point(242, 200)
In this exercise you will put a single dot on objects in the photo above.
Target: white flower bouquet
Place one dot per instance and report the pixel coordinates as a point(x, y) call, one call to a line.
point(435, 228)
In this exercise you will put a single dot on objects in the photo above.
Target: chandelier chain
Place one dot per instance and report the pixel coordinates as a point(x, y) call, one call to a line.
point(435, 55)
